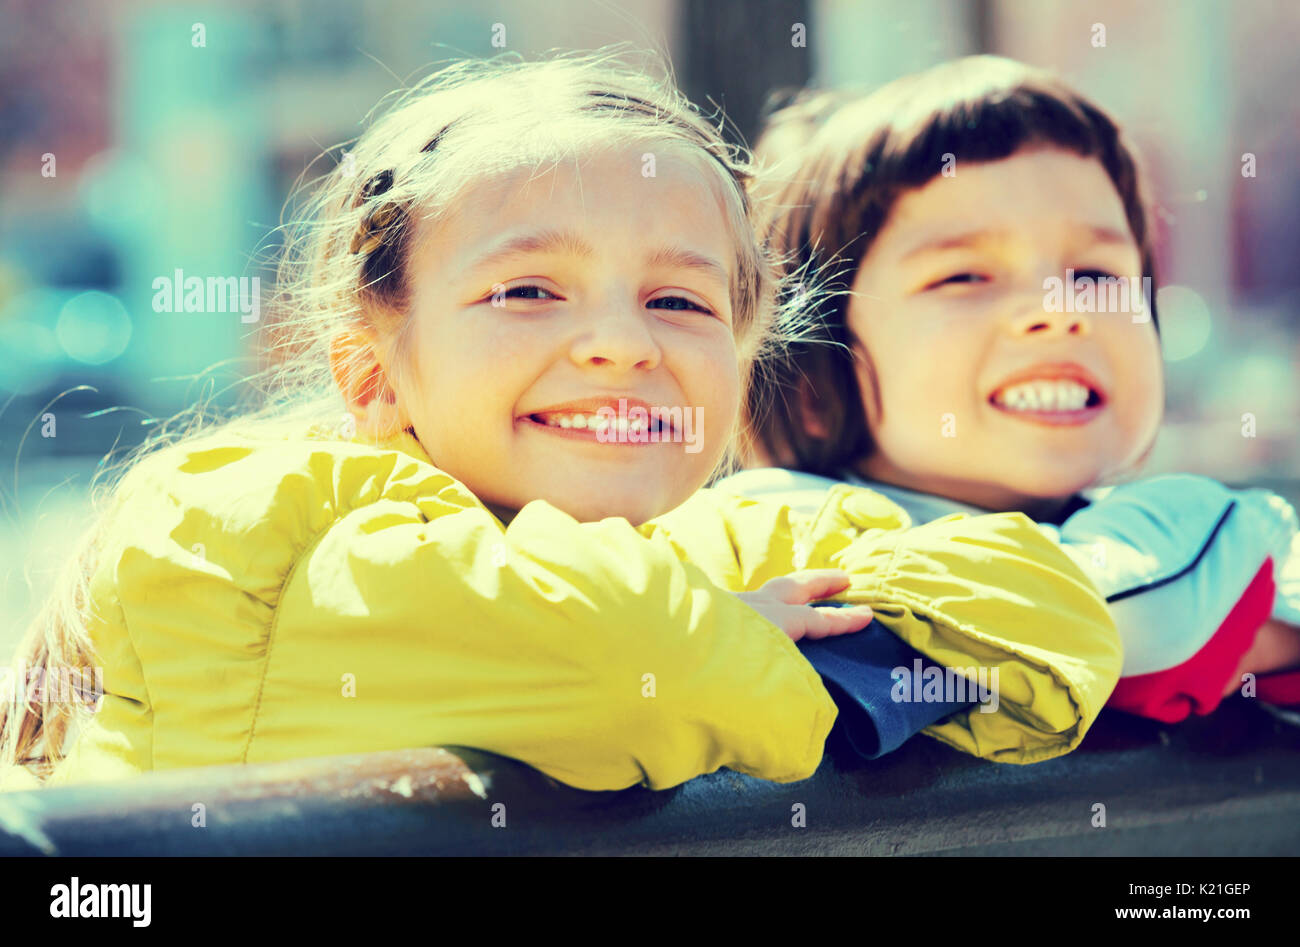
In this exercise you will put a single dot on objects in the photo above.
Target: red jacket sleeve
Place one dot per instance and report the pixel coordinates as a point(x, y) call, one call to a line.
point(1197, 685)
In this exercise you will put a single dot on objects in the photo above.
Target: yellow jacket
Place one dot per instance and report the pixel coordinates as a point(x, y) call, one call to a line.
point(266, 600)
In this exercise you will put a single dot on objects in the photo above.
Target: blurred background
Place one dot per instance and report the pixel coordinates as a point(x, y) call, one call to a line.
point(139, 138)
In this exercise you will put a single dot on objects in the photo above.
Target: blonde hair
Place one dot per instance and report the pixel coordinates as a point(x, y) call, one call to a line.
point(343, 269)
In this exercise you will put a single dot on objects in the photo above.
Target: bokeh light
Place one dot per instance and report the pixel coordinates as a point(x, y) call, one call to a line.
point(29, 353)
point(1185, 322)
point(93, 327)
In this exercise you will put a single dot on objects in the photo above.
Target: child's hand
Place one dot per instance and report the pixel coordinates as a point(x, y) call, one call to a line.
point(1276, 648)
point(784, 602)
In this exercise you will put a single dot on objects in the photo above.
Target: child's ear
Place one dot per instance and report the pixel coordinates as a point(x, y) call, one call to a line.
point(363, 381)
point(809, 417)
point(864, 370)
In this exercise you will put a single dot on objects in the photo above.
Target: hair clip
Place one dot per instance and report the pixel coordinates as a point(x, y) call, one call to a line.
point(374, 228)
point(377, 184)
point(433, 142)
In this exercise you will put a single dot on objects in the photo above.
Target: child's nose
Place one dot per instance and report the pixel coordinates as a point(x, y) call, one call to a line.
point(1035, 318)
point(616, 336)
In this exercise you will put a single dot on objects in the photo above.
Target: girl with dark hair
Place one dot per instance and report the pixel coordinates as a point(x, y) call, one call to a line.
point(967, 228)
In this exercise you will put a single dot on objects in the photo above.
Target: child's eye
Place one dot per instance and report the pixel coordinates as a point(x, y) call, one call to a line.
point(678, 303)
point(1093, 274)
point(528, 291)
point(958, 279)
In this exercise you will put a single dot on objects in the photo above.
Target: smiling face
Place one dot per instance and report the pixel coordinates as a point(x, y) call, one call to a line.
point(585, 284)
point(988, 393)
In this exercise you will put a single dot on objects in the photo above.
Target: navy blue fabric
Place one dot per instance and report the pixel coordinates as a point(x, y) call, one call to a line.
point(857, 670)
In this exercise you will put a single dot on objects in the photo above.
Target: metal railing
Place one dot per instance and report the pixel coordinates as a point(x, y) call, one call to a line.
point(1228, 784)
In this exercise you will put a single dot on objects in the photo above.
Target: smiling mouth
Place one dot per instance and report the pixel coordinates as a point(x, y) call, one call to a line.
point(1051, 401)
point(606, 430)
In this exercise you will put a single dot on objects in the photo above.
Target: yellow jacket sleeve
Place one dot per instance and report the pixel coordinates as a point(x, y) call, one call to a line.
point(985, 592)
point(582, 649)
point(271, 601)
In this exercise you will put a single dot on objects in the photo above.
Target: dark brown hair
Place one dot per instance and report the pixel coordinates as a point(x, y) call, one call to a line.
point(837, 162)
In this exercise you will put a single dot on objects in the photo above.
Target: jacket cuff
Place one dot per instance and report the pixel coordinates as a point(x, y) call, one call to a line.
point(994, 598)
point(859, 670)
point(1282, 688)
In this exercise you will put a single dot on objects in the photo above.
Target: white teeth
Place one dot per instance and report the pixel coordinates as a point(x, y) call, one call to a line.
point(1043, 395)
point(597, 423)
point(579, 421)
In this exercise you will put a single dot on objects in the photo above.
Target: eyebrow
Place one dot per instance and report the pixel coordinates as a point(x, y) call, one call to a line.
point(568, 242)
point(1106, 235)
point(679, 258)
